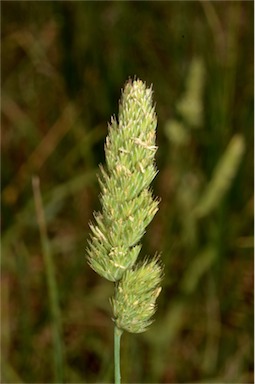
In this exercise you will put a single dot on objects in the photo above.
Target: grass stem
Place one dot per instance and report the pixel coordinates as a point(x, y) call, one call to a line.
point(117, 336)
point(51, 282)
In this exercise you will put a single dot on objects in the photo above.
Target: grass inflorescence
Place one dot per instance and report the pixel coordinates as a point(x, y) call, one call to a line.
point(128, 207)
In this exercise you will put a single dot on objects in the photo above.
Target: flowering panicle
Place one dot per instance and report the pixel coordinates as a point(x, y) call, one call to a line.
point(128, 207)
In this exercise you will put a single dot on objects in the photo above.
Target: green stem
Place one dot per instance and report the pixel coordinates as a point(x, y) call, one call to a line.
point(52, 284)
point(117, 336)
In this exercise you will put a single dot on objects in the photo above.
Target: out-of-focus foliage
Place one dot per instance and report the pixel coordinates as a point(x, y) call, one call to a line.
point(63, 64)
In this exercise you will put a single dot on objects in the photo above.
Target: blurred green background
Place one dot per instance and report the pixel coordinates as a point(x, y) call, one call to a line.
point(63, 67)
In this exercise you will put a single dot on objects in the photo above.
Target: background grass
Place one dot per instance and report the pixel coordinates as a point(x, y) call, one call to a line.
point(63, 64)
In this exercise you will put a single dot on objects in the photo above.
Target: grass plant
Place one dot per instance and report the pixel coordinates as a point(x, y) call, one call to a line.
point(127, 208)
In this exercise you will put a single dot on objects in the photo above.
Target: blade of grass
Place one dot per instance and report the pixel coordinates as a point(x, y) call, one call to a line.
point(51, 282)
point(42, 152)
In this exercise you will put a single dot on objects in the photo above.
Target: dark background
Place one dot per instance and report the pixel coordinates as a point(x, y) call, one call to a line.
point(63, 67)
